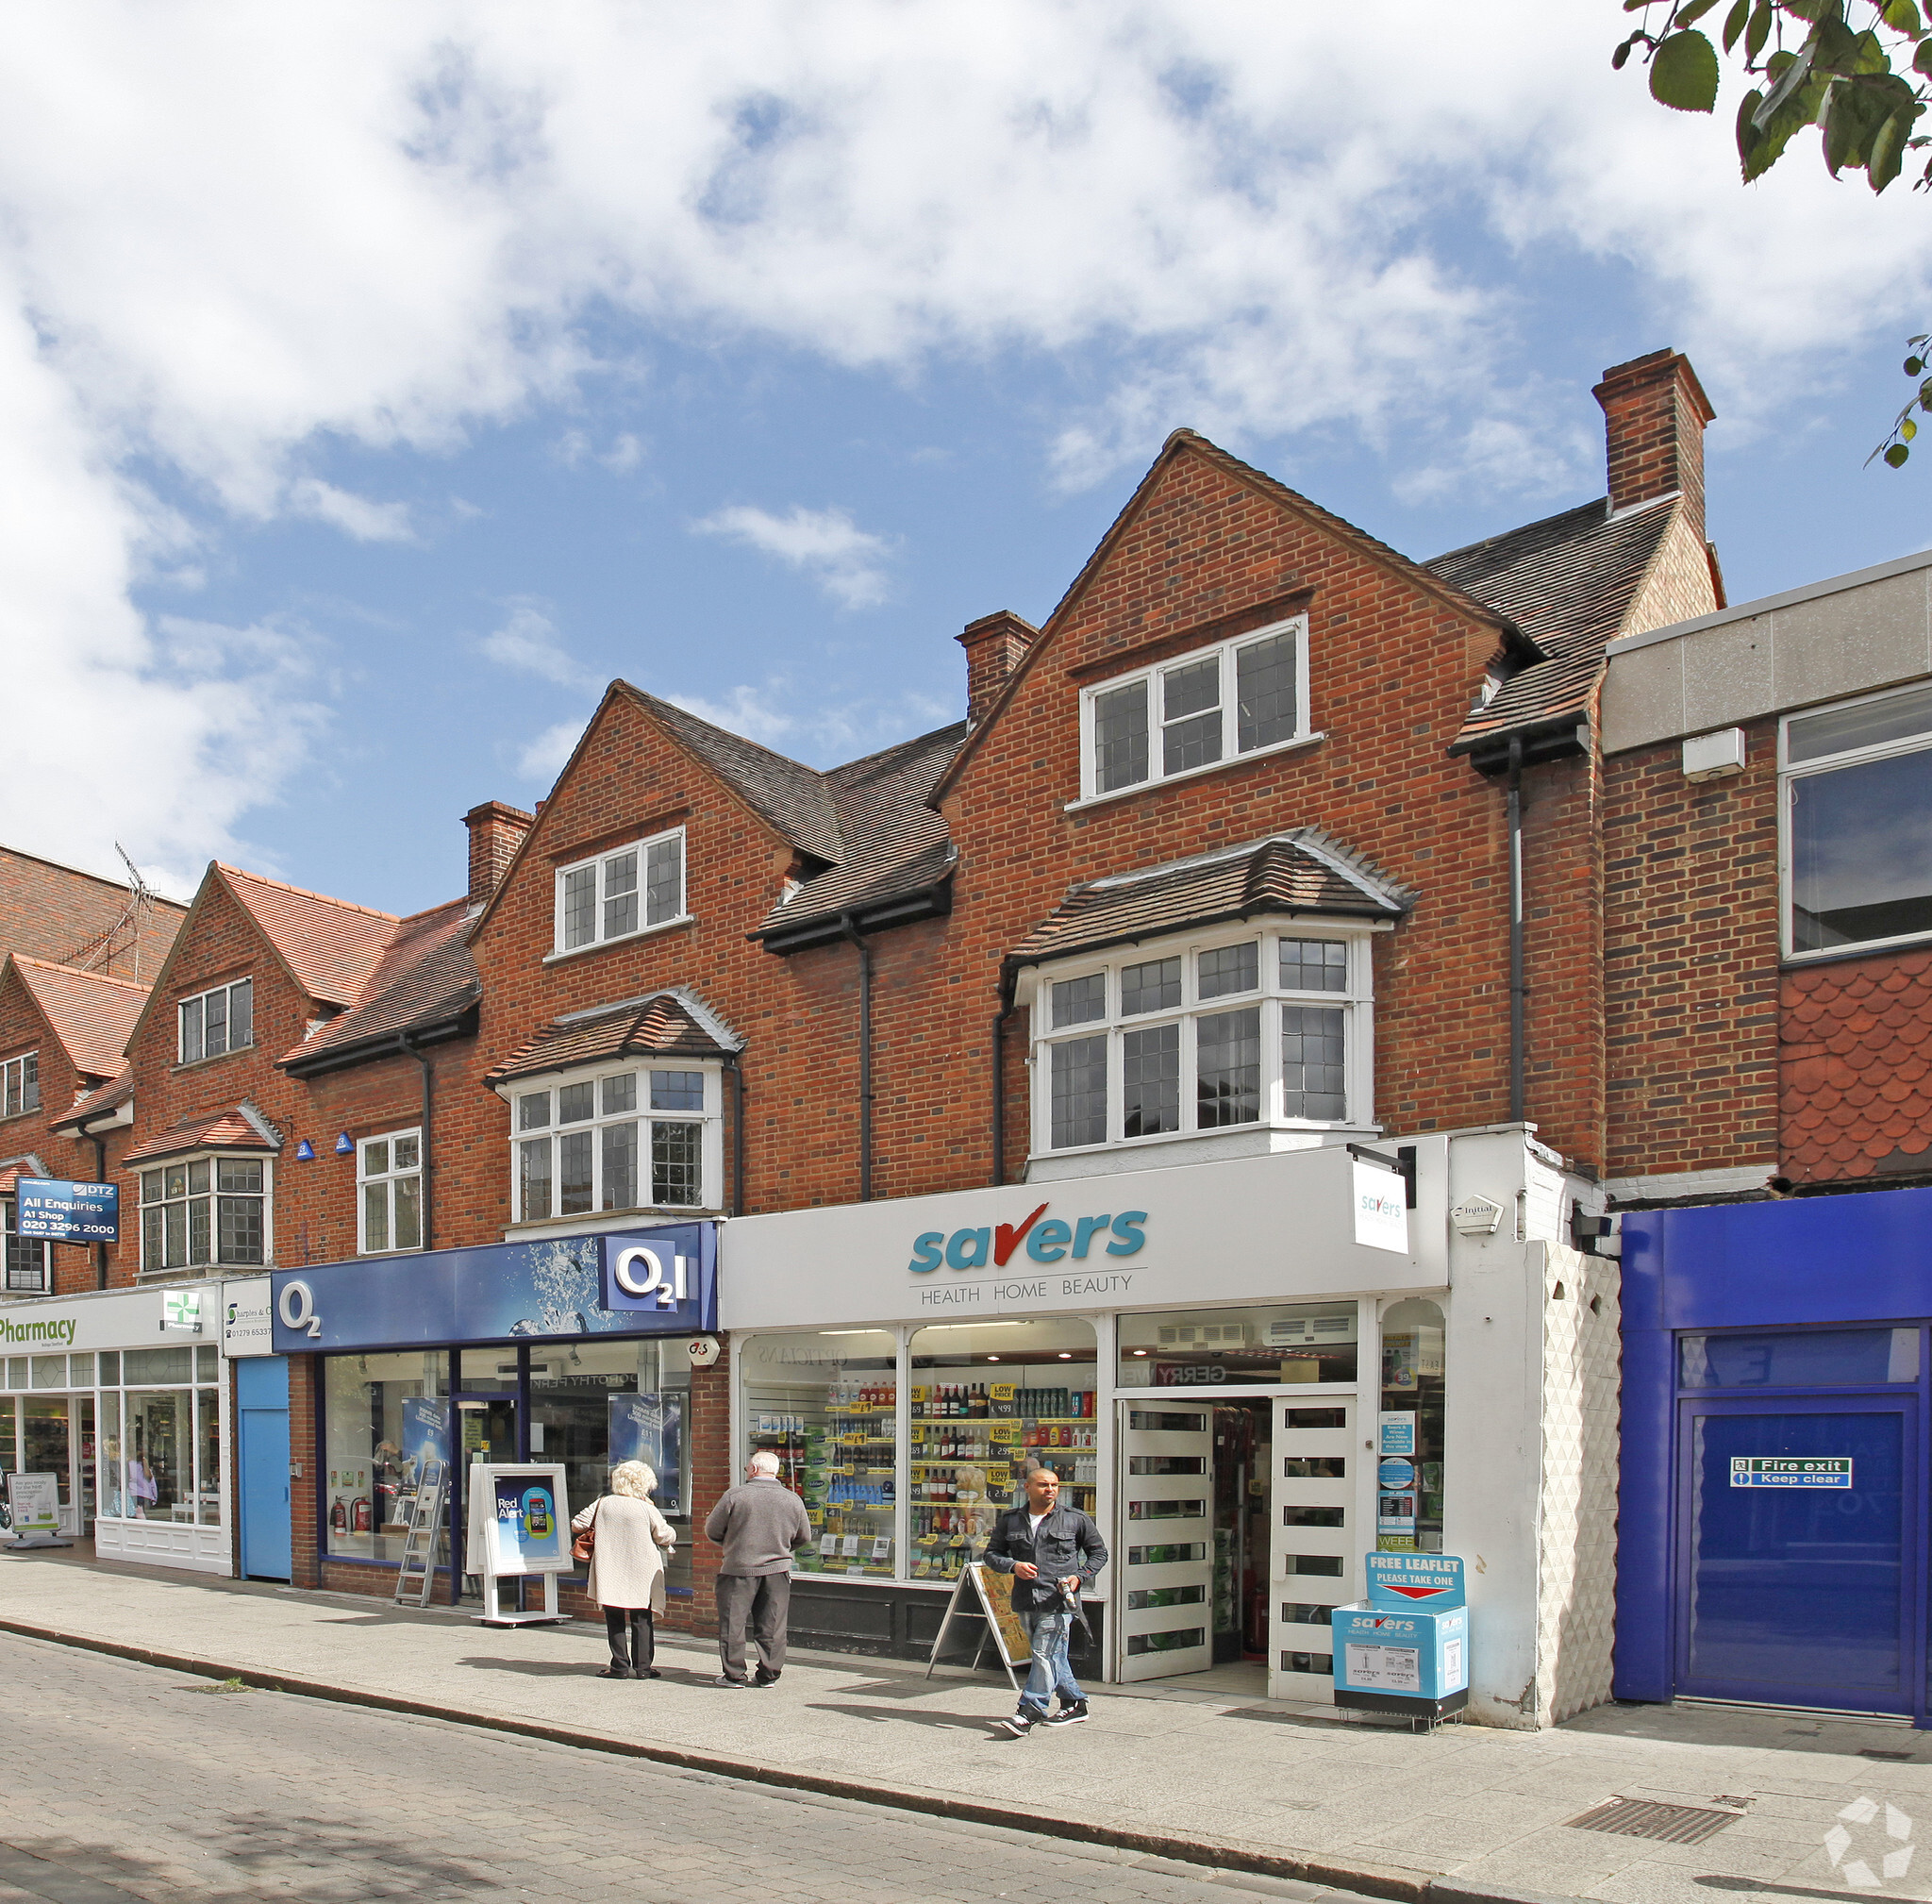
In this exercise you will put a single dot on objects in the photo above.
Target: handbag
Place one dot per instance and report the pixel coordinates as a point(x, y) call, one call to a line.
point(582, 1547)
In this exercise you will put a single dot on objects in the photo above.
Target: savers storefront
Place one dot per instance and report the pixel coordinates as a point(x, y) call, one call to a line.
point(1249, 1372)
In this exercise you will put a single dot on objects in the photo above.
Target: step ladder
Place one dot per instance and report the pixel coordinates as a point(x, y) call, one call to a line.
point(417, 1573)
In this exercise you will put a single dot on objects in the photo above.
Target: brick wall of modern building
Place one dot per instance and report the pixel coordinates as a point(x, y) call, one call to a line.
point(1692, 956)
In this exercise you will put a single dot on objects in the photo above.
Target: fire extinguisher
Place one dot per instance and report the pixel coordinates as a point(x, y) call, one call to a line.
point(338, 1517)
point(360, 1515)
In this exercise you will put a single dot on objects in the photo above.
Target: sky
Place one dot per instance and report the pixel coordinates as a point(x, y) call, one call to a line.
point(377, 383)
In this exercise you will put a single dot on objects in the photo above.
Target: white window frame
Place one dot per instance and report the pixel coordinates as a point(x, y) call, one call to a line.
point(20, 1084)
point(1790, 773)
point(1355, 1001)
point(212, 1196)
point(13, 1250)
point(600, 865)
point(1226, 652)
point(227, 995)
point(387, 1180)
point(710, 1142)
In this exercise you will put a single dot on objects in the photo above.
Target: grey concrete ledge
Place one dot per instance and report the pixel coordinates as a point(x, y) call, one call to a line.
point(1744, 611)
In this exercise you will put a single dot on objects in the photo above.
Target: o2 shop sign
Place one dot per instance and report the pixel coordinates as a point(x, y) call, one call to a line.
point(1047, 1240)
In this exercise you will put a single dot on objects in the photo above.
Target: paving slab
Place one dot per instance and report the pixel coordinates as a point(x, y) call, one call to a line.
point(1224, 1784)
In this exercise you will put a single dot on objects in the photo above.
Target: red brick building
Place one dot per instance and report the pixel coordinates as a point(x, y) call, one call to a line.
point(69, 918)
point(1768, 882)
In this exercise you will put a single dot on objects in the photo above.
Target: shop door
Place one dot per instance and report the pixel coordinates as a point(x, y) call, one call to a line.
point(1795, 1583)
point(1315, 1539)
point(262, 1384)
point(489, 1429)
point(1163, 1613)
point(47, 1448)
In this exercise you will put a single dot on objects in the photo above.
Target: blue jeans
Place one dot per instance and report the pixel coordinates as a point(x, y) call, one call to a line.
point(1051, 1674)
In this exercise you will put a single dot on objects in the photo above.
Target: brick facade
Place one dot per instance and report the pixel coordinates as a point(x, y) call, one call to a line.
point(1691, 949)
point(48, 911)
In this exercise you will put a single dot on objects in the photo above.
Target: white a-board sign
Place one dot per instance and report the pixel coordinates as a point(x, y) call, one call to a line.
point(519, 1526)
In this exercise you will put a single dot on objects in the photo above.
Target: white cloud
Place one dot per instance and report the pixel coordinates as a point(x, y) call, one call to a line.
point(622, 455)
point(356, 516)
point(540, 760)
point(528, 641)
point(846, 561)
point(1249, 217)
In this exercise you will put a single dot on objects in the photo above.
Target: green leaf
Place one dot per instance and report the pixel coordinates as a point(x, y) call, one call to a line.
point(1896, 455)
point(1684, 72)
point(1922, 59)
point(1909, 429)
point(1760, 31)
point(1902, 16)
point(1735, 22)
point(1914, 365)
point(1693, 10)
point(1925, 393)
point(1888, 155)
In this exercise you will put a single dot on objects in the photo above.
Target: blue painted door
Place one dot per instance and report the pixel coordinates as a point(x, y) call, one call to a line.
point(1797, 1540)
point(262, 1458)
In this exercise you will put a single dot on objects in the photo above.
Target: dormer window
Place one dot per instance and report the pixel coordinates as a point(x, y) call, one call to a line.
point(216, 1022)
point(621, 895)
point(1239, 1028)
point(1199, 712)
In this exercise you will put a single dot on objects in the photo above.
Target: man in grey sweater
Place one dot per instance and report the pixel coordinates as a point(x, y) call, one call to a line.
point(758, 1524)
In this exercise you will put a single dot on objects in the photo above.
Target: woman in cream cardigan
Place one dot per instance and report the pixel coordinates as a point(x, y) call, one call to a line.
point(627, 1568)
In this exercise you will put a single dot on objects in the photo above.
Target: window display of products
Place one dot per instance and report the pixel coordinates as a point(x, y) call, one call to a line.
point(383, 1415)
point(828, 1407)
point(1409, 1503)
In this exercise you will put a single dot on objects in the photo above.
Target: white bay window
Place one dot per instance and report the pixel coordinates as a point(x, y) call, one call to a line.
point(643, 1137)
point(204, 1211)
point(1247, 1029)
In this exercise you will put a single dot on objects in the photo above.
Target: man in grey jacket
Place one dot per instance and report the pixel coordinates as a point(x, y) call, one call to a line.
point(758, 1524)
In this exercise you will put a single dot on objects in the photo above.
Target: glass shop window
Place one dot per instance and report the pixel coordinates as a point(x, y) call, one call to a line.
point(1219, 1347)
point(826, 1405)
point(1812, 1357)
point(596, 1404)
point(1408, 1497)
point(990, 1402)
point(385, 1417)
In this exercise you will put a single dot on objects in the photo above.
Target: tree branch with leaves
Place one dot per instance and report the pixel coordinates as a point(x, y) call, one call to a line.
point(1863, 83)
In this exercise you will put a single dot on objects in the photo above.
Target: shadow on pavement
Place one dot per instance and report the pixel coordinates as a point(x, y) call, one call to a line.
point(949, 1722)
point(314, 1860)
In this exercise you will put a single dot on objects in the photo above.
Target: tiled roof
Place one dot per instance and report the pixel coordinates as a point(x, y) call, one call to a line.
point(425, 977)
point(98, 1102)
point(1302, 872)
point(794, 799)
point(662, 1026)
point(1569, 581)
point(332, 947)
point(238, 1128)
point(894, 844)
point(92, 1015)
point(25, 1164)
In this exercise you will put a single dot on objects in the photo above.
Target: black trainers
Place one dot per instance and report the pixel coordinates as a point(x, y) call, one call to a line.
point(1068, 1715)
point(762, 1679)
point(1022, 1722)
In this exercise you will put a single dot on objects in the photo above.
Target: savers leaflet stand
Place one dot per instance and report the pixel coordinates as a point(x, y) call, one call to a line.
point(1405, 1649)
point(519, 1526)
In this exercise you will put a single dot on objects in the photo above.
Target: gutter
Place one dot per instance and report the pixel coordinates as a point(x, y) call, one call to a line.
point(828, 929)
point(382, 1045)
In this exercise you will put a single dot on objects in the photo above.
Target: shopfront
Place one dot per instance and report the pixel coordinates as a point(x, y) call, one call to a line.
point(1210, 1356)
point(122, 1396)
point(1776, 1544)
point(573, 1350)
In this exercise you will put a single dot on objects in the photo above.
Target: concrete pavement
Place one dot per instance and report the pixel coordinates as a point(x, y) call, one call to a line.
point(1232, 1784)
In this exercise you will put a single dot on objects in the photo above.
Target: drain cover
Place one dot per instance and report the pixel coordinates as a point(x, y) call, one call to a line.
point(1647, 1818)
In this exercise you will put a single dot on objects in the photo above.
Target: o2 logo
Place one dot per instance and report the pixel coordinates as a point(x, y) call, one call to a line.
point(1049, 1242)
point(296, 1306)
point(641, 1278)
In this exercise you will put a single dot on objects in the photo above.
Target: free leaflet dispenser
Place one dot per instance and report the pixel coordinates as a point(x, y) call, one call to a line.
point(1405, 1649)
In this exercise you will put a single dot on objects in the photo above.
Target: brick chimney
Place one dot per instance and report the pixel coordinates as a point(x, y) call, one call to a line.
point(994, 646)
point(1654, 411)
point(496, 831)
